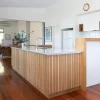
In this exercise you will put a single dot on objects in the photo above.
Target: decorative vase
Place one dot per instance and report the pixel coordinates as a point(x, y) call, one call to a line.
point(23, 45)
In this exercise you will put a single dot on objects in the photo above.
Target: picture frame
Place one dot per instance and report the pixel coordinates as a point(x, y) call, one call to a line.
point(48, 34)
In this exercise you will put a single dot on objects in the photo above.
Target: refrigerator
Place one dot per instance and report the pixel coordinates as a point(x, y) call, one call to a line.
point(68, 39)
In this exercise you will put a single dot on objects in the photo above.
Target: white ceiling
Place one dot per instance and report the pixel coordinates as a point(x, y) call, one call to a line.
point(27, 3)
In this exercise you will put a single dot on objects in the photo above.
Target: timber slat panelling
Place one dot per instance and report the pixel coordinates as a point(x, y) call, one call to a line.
point(48, 73)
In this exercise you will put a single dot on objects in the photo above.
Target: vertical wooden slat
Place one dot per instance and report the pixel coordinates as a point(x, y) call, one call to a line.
point(48, 73)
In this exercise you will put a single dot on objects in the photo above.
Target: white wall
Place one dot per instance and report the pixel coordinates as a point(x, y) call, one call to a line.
point(53, 15)
point(68, 14)
point(63, 13)
point(37, 27)
point(67, 10)
point(60, 11)
point(21, 26)
point(30, 14)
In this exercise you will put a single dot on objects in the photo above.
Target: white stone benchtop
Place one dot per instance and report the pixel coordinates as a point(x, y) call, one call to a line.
point(49, 51)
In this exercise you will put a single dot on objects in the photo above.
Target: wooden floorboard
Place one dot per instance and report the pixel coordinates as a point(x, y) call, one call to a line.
point(12, 87)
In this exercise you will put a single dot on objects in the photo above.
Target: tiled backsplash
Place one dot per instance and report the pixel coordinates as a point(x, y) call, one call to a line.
point(91, 34)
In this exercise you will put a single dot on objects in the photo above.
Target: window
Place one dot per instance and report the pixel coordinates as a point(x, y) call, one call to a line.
point(1, 31)
point(1, 35)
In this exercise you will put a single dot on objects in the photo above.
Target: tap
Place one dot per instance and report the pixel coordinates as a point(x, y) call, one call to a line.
point(36, 45)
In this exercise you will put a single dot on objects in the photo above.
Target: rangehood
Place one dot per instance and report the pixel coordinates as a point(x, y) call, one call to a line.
point(95, 30)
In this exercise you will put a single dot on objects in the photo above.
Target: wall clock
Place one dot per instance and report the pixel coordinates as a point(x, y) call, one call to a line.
point(86, 7)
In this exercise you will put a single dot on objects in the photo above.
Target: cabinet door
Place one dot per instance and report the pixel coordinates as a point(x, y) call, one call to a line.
point(68, 39)
point(93, 63)
point(91, 25)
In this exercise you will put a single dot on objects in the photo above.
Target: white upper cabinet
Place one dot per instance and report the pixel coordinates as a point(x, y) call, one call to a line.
point(91, 25)
point(90, 21)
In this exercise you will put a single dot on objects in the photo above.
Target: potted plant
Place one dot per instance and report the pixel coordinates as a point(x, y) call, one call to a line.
point(21, 38)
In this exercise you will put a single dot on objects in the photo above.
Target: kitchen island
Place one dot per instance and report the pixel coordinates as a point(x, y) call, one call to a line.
point(52, 72)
